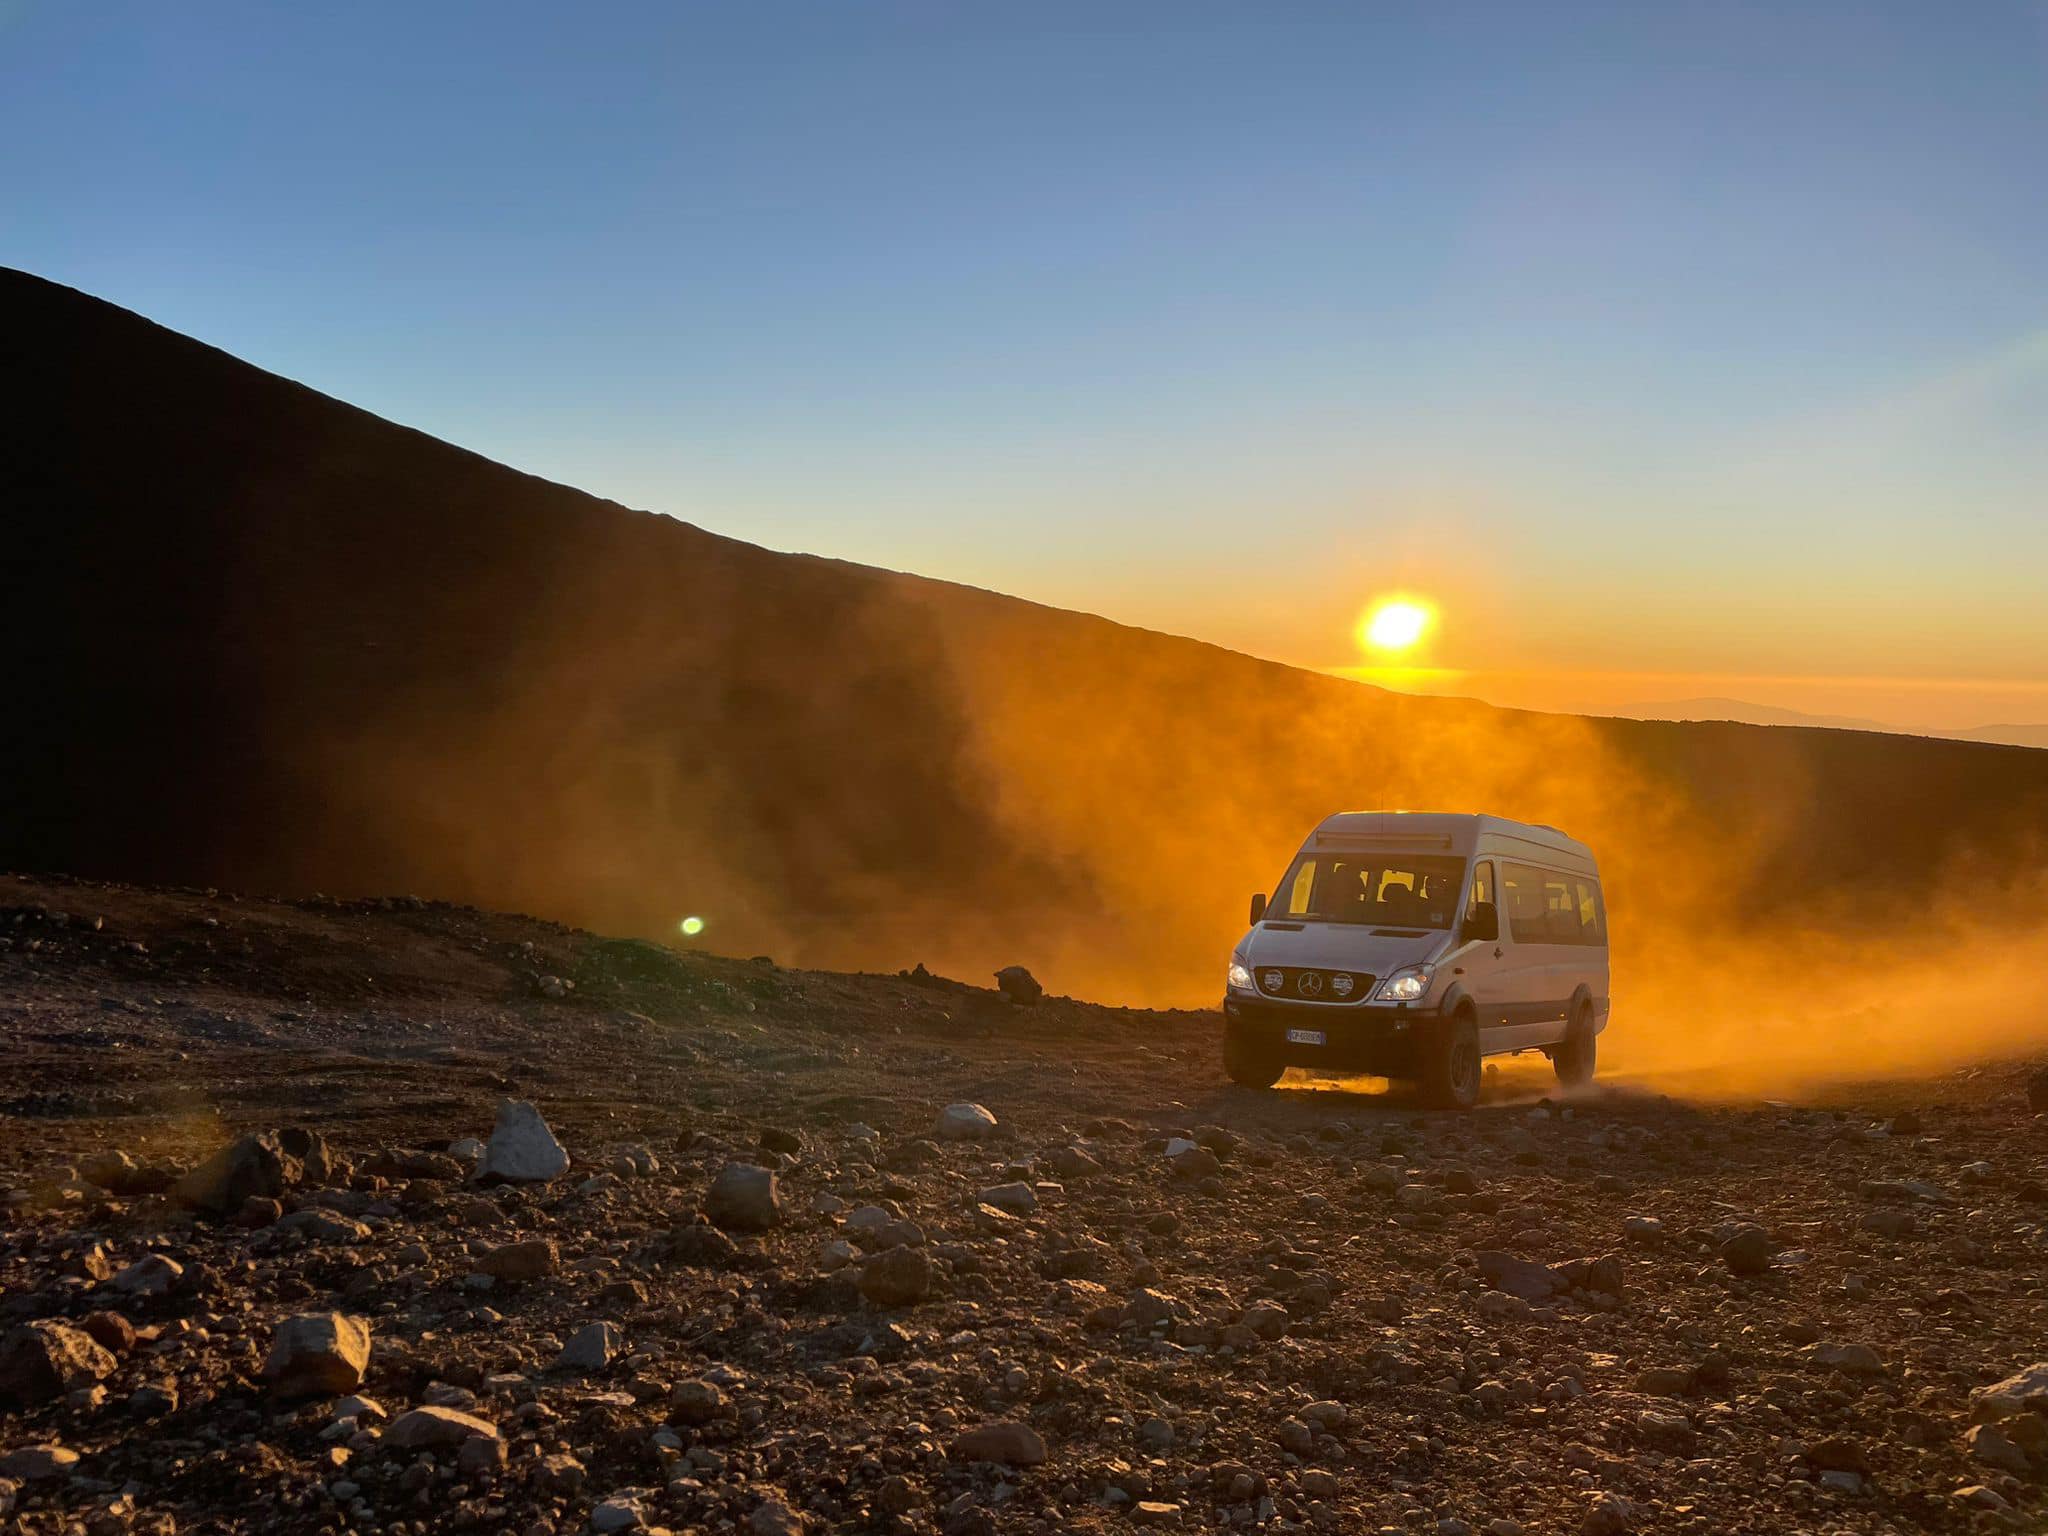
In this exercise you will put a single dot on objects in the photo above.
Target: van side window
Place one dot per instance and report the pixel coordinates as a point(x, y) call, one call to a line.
point(1522, 888)
point(1543, 906)
point(1592, 913)
point(1560, 908)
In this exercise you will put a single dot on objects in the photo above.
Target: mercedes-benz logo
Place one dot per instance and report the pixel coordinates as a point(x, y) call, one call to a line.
point(1311, 983)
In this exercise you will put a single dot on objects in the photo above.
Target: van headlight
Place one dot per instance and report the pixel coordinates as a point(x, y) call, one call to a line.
point(1240, 976)
point(1405, 985)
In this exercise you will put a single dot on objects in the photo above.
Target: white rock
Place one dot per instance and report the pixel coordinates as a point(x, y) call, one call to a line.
point(965, 1122)
point(522, 1147)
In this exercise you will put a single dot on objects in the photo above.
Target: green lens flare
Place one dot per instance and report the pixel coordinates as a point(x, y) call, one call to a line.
point(692, 926)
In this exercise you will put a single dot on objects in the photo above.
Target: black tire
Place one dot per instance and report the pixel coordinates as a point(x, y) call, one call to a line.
point(1246, 1063)
point(1451, 1070)
point(1578, 1055)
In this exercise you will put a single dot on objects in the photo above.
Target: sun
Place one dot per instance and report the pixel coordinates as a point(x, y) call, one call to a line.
point(1395, 624)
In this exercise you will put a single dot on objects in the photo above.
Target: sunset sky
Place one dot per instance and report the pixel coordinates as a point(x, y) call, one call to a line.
point(1670, 350)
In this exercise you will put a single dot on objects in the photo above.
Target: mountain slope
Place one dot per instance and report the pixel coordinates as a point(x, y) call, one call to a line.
point(261, 639)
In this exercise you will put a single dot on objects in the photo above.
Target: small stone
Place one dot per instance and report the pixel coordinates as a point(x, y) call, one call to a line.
point(1019, 1199)
point(428, 1429)
point(249, 1165)
point(111, 1331)
point(47, 1359)
point(744, 1198)
point(39, 1463)
point(480, 1457)
point(1267, 1319)
point(322, 1352)
point(1988, 1445)
point(616, 1514)
point(592, 1348)
point(522, 1149)
point(1850, 1359)
point(529, 1259)
point(696, 1402)
point(965, 1122)
point(1749, 1250)
point(772, 1517)
point(896, 1277)
point(2024, 1391)
point(318, 1162)
point(1517, 1276)
point(1006, 1442)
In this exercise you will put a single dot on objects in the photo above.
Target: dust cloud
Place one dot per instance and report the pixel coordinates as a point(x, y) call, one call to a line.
point(1782, 914)
point(275, 644)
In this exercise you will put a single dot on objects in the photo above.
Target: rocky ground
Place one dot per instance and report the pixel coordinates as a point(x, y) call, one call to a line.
point(282, 1249)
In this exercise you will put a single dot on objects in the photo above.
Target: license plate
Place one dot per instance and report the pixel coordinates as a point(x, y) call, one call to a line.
point(1305, 1037)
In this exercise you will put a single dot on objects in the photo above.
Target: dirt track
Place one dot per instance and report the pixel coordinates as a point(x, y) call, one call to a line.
point(1311, 1321)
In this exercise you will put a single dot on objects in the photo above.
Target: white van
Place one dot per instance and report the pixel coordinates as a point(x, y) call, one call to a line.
point(1413, 944)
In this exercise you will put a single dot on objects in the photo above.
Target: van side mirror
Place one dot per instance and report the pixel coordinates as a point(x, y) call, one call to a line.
point(1258, 905)
point(1482, 924)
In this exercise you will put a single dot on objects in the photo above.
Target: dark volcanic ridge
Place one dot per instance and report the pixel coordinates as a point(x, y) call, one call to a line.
point(263, 640)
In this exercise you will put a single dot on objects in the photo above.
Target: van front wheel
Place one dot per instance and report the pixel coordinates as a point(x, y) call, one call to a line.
point(1245, 1063)
point(1578, 1053)
point(1450, 1071)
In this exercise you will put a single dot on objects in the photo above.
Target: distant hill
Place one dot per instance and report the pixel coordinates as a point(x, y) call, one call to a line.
point(1765, 714)
point(256, 638)
point(1748, 714)
point(2008, 735)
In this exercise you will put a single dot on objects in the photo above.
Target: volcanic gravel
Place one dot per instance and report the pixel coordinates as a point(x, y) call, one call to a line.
point(251, 1279)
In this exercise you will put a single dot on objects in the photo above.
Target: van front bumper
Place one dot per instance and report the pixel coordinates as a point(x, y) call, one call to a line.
point(1379, 1039)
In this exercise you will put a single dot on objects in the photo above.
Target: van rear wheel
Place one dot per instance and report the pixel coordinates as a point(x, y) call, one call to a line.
point(1246, 1063)
point(1578, 1054)
point(1451, 1067)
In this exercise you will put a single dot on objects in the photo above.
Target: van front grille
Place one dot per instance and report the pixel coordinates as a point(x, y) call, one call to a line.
point(1308, 984)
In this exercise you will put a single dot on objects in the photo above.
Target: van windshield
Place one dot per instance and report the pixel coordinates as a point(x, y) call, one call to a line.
point(1384, 890)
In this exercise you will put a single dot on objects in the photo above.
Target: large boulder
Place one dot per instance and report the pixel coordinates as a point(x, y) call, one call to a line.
point(1019, 985)
point(744, 1198)
point(247, 1166)
point(46, 1359)
point(323, 1353)
point(522, 1149)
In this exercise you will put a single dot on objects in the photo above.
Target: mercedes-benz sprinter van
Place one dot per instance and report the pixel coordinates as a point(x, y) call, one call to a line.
point(1414, 944)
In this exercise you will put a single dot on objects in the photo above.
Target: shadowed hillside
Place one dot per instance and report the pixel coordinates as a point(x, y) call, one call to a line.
point(261, 639)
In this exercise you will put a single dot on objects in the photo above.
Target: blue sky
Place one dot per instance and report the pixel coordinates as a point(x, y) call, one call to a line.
point(1730, 320)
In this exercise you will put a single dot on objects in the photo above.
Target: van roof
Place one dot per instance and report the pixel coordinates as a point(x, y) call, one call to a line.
point(1452, 832)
